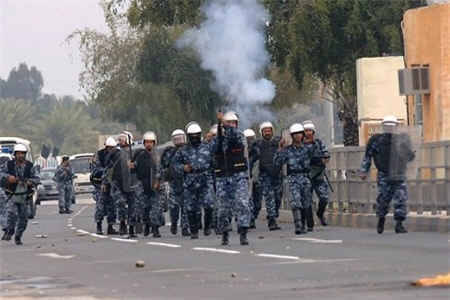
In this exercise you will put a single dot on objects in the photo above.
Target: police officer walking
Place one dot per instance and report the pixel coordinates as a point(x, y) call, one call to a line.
point(64, 180)
point(104, 204)
point(391, 153)
point(18, 178)
point(147, 172)
point(269, 179)
point(297, 157)
point(318, 168)
point(176, 202)
point(232, 177)
point(194, 163)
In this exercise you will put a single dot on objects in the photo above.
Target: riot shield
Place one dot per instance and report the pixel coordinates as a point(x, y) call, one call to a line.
point(405, 152)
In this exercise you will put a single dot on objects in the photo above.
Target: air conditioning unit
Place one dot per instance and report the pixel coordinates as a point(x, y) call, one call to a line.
point(414, 81)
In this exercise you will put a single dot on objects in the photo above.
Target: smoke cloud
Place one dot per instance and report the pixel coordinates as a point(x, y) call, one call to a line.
point(231, 44)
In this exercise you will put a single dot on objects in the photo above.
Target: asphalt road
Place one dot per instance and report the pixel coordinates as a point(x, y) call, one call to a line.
point(331, 263)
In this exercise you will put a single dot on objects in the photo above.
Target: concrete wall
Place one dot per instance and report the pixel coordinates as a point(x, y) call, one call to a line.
point(427, 42)
point(378, 92)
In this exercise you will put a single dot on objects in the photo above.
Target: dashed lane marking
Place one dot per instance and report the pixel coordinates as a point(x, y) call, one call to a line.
point(216, 250)
point(124, 240)
point(55, 255)
point(164, 245)
point(98, 236)
point(318, 241)
point(278, 256)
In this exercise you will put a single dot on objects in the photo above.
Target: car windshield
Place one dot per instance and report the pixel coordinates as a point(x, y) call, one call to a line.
point(47, 174)
point(80, 165)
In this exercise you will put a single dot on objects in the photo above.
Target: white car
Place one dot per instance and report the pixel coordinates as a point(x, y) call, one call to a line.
point(81, 168)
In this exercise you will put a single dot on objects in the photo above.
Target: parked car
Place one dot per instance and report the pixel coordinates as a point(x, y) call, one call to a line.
point(47, 190)
point(81, 168)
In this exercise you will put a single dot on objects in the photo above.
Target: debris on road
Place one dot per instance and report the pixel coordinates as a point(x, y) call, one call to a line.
point(439, 280)
point(260, 237)
point(140, 264)
point(234, 275)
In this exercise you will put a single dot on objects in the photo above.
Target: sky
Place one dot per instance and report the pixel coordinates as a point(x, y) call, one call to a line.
point(34, 31)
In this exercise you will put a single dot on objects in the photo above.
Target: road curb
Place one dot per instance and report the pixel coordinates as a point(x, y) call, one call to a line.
point(413, 223)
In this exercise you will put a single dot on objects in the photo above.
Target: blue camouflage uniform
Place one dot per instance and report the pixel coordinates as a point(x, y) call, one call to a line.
point(232, 178)
point(176, 202)
point(391, 154)
point(3, 214)
point(148, 173)
point(18, 195)
point(64, 181)
point(297, 159)
point(269, 179)
point(318, 168)
point(104, 204)
point(198, 185)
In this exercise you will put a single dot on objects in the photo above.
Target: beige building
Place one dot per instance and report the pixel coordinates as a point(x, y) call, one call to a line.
point(427, 44)
point(378, 93)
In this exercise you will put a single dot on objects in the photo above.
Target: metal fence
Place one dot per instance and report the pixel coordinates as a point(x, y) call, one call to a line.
point(428, 181)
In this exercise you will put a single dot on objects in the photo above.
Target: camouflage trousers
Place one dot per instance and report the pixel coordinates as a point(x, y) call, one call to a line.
point(104, 206)
point(3, 211)
point(17, 214)
point(271, 191)
point(196, 198)
point(255, 199)
point(126, 205)
point(391, 190)
point(320, 187)
point(150, 210)
point(66, 194)
point(176, 207)
point(300, 195)
point(233, 200)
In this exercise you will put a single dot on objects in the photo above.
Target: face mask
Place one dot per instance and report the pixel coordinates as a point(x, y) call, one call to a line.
point(195, 140)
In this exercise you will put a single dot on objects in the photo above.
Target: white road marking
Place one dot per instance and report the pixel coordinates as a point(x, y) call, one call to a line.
point(98, 236)
point(164, 245)
point(124, 240)
point(278, 256)
point(55, 255)
point(73, 228)
point(318, 241)
point(216, 250)
point(82, 231)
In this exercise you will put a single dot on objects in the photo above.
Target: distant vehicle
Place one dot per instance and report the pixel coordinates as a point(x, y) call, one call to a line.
point(7, 147)
point(47, 190)
point(81, 168)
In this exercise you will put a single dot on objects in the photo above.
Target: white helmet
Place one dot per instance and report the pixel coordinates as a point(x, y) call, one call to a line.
point(295, 128)
point(230, 116)
point(110, 142)
point(265, 125)
point(128, 136)
point(249, 133)
point(149, 136)
point(178, 137)
point(213, 129)
point(390, 121)
point(20, 148)
point(309, 125)
point(193, 128)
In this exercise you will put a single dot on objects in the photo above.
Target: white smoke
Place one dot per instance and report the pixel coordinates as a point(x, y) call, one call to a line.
point(231, 44)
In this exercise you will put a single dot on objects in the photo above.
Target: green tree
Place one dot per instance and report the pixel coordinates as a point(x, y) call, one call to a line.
point(24, 83)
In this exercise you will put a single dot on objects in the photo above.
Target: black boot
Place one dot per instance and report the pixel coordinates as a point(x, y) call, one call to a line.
point(193, 224)
point(297, 220)
point(17, 239)
point(310, 219)
point(303, 221)
point(225, 238)
point(146, 229)
point(122, 228)
point(131, 233)
point(199, 221)
point(155, 231)
point(243, 236)
point(62, 211)
point(185, 232)
point(208, 221)
point(272, 224)
point(399, 228)
point(173, 228)
point(138, 227)
point(252, 224)
point(7, 235)
point(380, 225)
point(99, 228)
point(111, 230)
point(68, 211)
point(321, 212)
